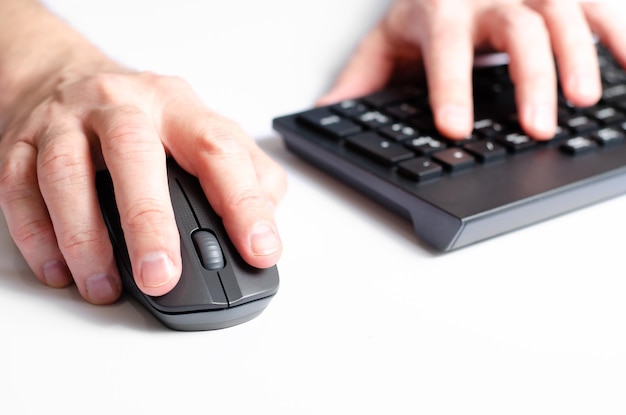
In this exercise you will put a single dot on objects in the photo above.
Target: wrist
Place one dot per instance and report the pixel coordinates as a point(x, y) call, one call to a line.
point(38, 54)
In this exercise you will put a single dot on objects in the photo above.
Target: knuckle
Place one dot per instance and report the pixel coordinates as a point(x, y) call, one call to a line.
point(220, 139)
point(129, 135)
point(147, 216)
point(18, 192)
point(80, 244)
point(13, 179)
point(115, 88)
point(58, 163)
point(56, 156)
point(33, 234)
point(128, 125)
point(245, 199)
point(18, 176)
point(106, 86)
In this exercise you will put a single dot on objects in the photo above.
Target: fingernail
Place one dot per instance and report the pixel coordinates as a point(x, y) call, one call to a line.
point(56, 274)
point(586, 85)
point(264, 240)
point(102, 288)
point(543, 118)
point(156, 270)
point(455, 118)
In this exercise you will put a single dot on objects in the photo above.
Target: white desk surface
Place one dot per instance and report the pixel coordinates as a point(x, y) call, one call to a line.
point(367, 319)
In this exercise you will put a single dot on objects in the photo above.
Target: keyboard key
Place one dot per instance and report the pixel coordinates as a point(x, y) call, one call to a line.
point(423, 122)
point(373, 119)
point(425, 144)
point(560, 134)
point(614, 93)
point(454, 159)
point(416, 164)
point(330, 123)
point(404, 111)
point(461, 142)
point(350, 108)
point(609, 136)
point(516, 142)
point(399, 132)
point(487, 127)
point(612, 76)
point(607, 115)
point(379, 148)
point(486, 151)
point(578, 145)
point(580, 124)
point(420, 169)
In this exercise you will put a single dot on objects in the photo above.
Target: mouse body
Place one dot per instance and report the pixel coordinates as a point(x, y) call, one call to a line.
point(217, 288)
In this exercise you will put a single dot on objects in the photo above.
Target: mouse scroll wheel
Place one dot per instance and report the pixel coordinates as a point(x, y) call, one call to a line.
point(208, 249)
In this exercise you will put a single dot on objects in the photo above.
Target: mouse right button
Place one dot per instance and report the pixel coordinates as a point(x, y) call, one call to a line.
point(243, 283)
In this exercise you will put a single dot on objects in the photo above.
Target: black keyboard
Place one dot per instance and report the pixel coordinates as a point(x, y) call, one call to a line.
point(496, 180)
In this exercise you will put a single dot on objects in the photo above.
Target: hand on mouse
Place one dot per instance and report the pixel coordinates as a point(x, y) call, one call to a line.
point(66, 110)
point(442, 35)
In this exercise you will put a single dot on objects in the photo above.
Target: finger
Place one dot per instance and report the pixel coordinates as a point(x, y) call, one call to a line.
point(521, 32)
point(27, 216)
point(270, 174)
point(368, 70)
point(573, 47)
point(66, 179)
point(216, 153)
point(135, 157)
point(448, 55)
point(609, 26)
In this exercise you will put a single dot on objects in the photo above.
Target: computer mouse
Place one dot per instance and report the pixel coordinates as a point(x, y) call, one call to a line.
point(217, 288)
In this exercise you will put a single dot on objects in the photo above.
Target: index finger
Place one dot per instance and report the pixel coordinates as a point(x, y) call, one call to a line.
point(221, 155)
point(135, 157)
point(448, 52)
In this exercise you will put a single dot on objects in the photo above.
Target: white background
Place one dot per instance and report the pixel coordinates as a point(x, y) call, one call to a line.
point(367, 318)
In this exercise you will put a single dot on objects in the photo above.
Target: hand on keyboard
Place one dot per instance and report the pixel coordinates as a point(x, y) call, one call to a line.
point(496, 179)
point(444, 35)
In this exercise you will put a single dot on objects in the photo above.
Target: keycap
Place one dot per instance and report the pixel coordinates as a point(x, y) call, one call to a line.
point(454, 159)
point(425, 144)
point(350, 108)
point(578, 145)
point(515, 179)
point(580, 124)
point(329, 123)
point(379, 148)
point(373, 119)
point(399, 131)
point(607, 115)
point(516, 141)
point(485, 150)
point(420, 169)
point(609, 136)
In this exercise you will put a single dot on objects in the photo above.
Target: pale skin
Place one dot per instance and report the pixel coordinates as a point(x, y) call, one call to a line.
point(67, 110)
point(443, 36)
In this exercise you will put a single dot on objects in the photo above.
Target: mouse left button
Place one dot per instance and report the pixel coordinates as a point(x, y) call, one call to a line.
point(208, 249)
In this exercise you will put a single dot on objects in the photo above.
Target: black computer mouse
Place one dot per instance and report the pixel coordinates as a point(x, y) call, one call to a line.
point(217, 288)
